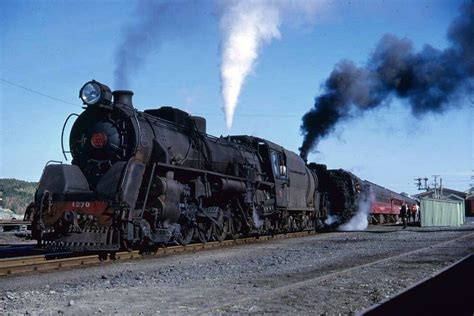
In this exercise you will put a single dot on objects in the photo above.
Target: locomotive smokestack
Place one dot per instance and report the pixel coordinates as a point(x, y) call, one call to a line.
point(123, 97)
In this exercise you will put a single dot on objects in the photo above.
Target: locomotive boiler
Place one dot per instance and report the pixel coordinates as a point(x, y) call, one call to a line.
point(155, 177)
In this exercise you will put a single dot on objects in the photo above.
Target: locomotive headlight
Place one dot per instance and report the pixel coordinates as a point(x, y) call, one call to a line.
point(94, 92)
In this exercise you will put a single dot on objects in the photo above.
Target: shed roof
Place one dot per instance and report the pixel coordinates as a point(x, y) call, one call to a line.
point(446, 193)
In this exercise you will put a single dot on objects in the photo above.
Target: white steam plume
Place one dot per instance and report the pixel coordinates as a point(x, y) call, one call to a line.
point(331, 220)
point(256, 219)
point(359, 221)
point(245, 26)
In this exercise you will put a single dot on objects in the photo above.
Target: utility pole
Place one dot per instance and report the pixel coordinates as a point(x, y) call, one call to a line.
point(436, 194)
point(1, 196)
point(471, 186)
point(440, 188)
point(472, 181)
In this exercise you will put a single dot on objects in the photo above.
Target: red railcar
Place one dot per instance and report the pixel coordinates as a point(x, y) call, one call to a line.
point(385, 204)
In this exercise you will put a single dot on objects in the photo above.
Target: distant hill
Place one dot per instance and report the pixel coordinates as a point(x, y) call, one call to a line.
point(17, 194)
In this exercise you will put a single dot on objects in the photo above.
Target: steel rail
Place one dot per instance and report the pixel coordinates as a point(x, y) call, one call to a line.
point(31, 264)
point(5, 222)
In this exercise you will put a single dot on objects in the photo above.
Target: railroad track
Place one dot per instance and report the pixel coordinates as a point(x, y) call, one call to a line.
point(18, 250)
point(31, 264)
point(219, 308)
point(10, 225)
point(14, 222)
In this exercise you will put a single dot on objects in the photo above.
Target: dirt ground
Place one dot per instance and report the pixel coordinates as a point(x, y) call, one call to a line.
point(334, 273)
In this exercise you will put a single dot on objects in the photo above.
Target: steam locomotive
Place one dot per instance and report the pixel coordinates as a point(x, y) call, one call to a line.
point(155, 177)
point(141, 179)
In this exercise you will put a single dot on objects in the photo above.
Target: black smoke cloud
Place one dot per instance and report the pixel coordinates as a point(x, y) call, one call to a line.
point(429, 80)
point(154, 22)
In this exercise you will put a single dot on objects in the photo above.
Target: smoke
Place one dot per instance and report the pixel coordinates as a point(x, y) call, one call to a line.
point(332, 219)
point(429, 80)
point(155, 22)
point(245, 27)
point(359, 220)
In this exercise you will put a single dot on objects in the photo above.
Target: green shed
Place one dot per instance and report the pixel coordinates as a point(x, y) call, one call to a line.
point(436, 212)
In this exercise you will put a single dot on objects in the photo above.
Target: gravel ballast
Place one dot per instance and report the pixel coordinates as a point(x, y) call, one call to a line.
point(301, 275)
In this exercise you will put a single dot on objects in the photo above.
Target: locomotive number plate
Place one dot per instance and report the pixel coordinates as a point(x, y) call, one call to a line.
point(81, 204)
point(87, 207)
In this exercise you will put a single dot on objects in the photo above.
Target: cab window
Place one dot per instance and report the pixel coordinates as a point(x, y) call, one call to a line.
point(278, 165)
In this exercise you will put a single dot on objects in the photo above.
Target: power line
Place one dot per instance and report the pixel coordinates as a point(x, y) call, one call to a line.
point(206, 114)
point(37, 92)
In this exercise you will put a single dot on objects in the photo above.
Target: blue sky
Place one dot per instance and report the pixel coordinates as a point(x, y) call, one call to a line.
point(55, 46)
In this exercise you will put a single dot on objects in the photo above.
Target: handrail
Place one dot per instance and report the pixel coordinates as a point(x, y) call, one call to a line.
point(62, 134)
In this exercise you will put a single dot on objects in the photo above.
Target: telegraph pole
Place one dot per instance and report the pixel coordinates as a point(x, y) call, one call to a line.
point(435, 184)
point(422, 184)
point(440, 188)
point(472, 179)
point(471, 186)
point(1, 196)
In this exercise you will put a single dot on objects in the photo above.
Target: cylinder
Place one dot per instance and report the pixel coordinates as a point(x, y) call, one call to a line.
point(170, 194)
point(232, 185)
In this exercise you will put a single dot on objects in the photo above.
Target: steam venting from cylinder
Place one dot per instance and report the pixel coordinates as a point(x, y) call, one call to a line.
point(245, 27)
point(360, 219)
point(430, 80)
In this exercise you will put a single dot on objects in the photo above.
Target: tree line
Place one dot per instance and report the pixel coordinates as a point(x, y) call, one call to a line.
point(17, 194)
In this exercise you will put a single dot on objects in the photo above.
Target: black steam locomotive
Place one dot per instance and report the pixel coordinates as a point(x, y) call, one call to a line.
point(155, 177)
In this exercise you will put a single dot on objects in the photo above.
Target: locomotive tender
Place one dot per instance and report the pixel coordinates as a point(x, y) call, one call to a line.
point(347, 194)
point(154, 177)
